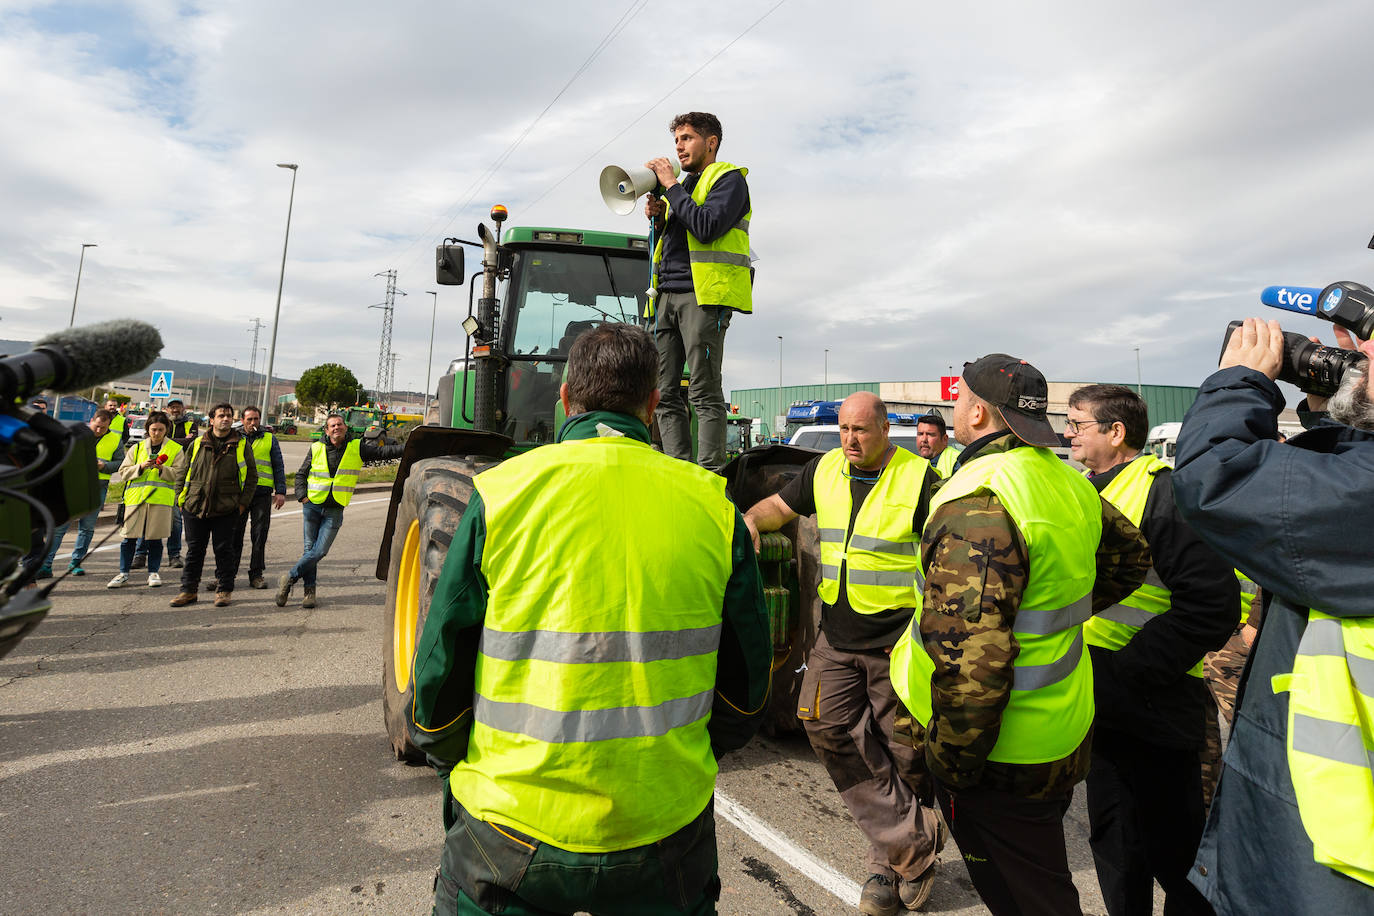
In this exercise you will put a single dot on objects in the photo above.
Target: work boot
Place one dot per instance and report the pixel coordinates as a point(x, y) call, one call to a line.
point(309, 601)
point(140, 561)
point(175, 563)
point(257, 582)
point(284, 589)
point(914, 894)
point(183, 599)
point(879, 897)
point(222, 599)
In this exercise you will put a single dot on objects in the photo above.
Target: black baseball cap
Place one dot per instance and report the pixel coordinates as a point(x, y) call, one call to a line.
point(1019, 392)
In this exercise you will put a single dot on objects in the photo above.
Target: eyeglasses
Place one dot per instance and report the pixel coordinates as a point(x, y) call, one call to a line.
point(1074, 427)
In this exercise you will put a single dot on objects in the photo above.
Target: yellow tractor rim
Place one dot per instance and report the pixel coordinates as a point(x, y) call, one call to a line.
point(407, 614)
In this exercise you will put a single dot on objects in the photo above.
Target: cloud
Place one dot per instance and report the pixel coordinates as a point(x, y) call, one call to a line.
point(1064, 181)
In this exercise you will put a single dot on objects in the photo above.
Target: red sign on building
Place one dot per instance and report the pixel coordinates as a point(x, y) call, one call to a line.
point(949, 387)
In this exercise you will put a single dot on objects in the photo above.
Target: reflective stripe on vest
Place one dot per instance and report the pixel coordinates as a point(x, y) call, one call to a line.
point(1331, 740)
point(1248, 591)
point(105, 450)
point(590, 678)
point(1114, 627)
point(883, 570)
point(240, 457)
point(149, 487)
point(1059, 515)
point(320, 484)
point(720, 269)
point(262, 457)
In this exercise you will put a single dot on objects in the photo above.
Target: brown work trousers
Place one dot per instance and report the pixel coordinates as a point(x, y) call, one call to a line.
point(847, 705)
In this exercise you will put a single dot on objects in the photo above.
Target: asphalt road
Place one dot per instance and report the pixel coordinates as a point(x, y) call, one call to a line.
point(202, 760)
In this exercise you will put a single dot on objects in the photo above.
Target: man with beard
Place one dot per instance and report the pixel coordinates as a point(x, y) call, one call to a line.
point(932, 444)
point(1290, 825)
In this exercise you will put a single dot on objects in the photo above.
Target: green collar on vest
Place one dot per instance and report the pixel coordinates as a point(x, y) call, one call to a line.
point(599, 423)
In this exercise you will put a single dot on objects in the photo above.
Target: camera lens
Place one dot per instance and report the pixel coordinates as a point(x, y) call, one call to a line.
point(1316, 369)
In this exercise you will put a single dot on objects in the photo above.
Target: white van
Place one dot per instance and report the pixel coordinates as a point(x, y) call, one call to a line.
point(825, 437)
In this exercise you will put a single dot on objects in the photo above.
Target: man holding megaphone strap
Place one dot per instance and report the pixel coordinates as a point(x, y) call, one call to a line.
point(701, 276)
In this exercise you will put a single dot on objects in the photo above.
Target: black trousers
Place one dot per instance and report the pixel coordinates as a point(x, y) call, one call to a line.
point(1145, 820)
point(1013, 848)
point(258, 519)
point(200, 534)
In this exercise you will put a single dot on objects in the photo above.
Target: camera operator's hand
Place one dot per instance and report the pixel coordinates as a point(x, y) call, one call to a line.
point(1257, 345)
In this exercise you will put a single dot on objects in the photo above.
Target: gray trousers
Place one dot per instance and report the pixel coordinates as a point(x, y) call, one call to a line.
point(847, 705)
point(684, 332)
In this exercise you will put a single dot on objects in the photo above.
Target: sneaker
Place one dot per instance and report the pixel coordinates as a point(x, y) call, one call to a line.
point(915, 894)
point(309, 601)
point(879, 897)
point(44, 572)
point(222, 599)
point(118, 580)
point(76, 570)
point(184, 599)
point(140, 561)
point(284, 589)
point(257, 582)
point(175, 563)
point(154, 580)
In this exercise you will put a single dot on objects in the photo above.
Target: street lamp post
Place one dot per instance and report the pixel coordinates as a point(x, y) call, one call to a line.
point(276, 318)
point(233, 377)
point(781, 411)
point(1137, 371)
point(79, 264)
point(429, 363)
point(827, 366)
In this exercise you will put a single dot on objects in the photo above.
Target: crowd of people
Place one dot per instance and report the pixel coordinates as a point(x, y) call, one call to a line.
point(991, 636)
point(212, 488)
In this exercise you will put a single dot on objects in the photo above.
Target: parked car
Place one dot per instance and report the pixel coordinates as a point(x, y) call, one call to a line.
point(137, 428)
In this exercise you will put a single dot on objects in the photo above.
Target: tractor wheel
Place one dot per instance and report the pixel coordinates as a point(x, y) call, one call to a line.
point(436, 494)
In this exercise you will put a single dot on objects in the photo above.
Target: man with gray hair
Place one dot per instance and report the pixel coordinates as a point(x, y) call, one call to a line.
point(564, 666)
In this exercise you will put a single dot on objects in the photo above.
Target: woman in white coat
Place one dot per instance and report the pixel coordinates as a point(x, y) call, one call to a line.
point(153, 473)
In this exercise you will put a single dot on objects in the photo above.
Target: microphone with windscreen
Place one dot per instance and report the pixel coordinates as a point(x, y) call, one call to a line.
point(80, 358)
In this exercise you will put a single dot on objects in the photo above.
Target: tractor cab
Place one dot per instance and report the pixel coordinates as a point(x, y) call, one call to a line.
point(555, 284)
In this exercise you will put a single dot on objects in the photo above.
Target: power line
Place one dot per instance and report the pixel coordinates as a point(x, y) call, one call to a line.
point(596, 152)
point(633, 10)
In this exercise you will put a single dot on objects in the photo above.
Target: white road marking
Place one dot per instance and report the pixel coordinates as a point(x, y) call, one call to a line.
point(191, 793)
point(798, 858)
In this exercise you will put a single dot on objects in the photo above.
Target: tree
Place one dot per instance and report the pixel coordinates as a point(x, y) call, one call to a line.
point(329, 384)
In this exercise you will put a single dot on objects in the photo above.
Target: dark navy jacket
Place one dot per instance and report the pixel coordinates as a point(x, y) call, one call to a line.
point(1298, 519)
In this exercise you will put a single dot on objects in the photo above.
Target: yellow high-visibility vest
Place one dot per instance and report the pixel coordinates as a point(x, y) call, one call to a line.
point(1331, 740)
point(345, 478)
point(149, 487)
point(1060, 516)
point(882, 570)
point(593, 691)
point(720, 269)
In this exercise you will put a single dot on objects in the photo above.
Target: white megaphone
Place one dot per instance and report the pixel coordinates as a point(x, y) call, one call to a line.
point(620, 188)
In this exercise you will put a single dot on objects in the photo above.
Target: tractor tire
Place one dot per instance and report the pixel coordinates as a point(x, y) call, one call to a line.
point(436, 494)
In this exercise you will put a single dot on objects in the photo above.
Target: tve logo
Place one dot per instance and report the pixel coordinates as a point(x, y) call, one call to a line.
point(1293, 298)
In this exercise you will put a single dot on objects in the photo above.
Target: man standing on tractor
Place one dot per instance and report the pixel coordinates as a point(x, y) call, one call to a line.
point(576, 705)
point(870, 500)
point(702, 276)
point(324, 488)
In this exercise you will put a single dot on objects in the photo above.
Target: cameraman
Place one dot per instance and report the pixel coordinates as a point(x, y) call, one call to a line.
point(1293, 518)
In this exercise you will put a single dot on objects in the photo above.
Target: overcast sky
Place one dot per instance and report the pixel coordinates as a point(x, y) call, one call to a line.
point(1064, 181)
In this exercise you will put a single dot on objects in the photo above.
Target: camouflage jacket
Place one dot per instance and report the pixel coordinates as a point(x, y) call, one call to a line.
point(976, 562)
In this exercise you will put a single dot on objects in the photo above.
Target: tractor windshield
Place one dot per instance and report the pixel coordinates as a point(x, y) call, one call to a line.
point(556, 295)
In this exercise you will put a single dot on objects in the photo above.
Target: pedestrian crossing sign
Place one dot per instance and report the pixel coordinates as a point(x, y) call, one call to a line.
point(161, 385)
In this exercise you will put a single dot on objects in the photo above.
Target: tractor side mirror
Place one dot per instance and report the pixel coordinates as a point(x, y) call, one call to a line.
point(448, 264)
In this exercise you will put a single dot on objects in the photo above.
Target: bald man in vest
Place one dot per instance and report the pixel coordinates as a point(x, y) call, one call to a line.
point(701, 276)
point(870, 500)
point(573, 691)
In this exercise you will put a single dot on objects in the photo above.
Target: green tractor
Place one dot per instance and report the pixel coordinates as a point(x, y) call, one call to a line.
point(502, 399)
